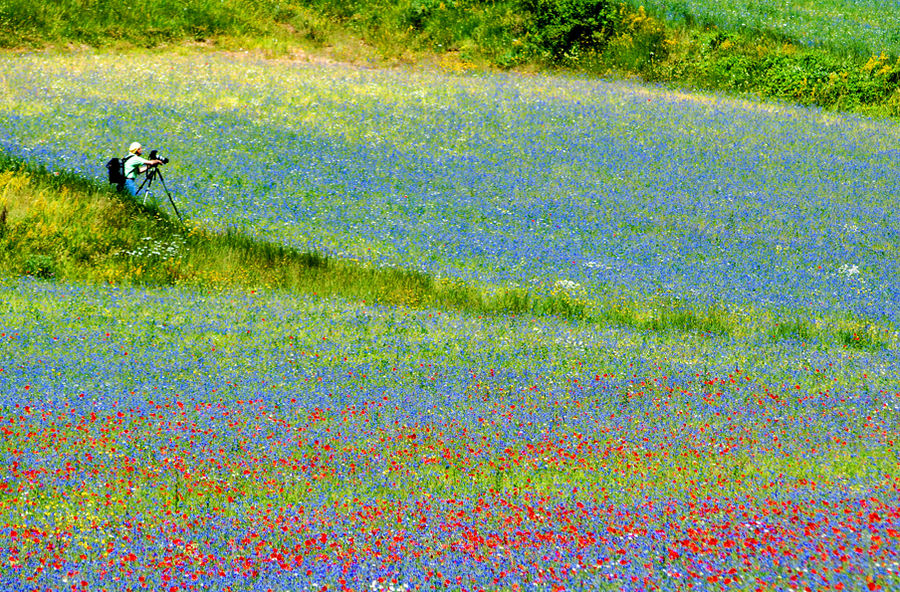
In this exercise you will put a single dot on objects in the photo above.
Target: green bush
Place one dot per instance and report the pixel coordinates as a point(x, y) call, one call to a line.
point(416, 13)
point(564, 28)
point(747, 64)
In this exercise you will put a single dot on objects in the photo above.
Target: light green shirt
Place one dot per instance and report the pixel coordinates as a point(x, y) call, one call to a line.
point(133, 165)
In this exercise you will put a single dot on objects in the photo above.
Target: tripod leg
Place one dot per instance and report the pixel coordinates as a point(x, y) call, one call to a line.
point(169, 195)
point(148, 181)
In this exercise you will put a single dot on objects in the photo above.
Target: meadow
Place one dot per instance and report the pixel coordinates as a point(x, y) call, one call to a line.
point(546, 183)
point(253, 438)
point(861, 27)
point(169, 439)
point(840, 55)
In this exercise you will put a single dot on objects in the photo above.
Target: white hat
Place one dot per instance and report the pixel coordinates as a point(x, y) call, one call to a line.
point(134, 147)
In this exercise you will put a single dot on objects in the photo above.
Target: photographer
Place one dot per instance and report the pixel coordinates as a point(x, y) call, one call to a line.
point(135, 165)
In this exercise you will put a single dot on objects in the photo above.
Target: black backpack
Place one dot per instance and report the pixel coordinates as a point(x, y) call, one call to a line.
point(116, 169)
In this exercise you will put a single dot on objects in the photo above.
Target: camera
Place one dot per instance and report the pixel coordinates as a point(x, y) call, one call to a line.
point(155, 156)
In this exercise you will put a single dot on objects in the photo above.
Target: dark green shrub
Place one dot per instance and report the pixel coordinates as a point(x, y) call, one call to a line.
point(417, 12)
point(732, 70)
point(563, 28)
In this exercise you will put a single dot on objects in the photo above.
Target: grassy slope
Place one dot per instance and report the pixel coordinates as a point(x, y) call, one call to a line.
point(601, 36)
point(118, 240)
point(37, 237)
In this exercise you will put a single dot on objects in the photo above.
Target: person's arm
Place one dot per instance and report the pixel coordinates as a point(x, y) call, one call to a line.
point(146, 164)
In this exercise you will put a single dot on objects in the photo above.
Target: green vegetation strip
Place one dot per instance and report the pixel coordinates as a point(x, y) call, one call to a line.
point(62, 226)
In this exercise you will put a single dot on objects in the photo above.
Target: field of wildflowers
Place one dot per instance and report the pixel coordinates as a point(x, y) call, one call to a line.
point(175, 439)
point(861, 27)
point(158, 439)
point(497, 179)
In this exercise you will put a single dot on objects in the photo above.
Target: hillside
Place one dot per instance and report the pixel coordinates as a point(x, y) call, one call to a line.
point(437, 328)
point(795, 53)
point(63, 223)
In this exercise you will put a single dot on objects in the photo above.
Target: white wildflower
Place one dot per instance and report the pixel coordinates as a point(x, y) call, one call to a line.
point(848, 270)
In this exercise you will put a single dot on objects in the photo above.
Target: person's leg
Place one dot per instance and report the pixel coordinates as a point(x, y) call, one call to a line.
point(130, 187)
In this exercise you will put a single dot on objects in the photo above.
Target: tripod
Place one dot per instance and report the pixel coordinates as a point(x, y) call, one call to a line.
point(154, 173)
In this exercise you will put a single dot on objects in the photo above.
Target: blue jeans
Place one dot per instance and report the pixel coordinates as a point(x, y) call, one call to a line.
point(130, 187)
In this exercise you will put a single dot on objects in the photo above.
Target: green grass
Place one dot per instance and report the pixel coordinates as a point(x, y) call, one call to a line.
point(849, 27)
point(116, 239)
point(109, 23)
point(63, 227)
point(684, 44)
